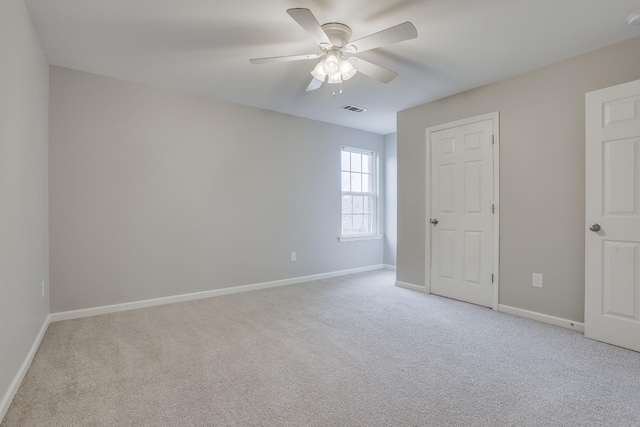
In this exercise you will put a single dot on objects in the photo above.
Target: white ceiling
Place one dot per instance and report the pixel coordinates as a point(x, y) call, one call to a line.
point(204, 46)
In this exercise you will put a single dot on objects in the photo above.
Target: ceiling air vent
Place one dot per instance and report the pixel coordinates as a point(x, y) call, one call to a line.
point(354, 108)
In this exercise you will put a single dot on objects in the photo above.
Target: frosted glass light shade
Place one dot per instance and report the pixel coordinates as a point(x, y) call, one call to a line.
point(347, 70)
point(335, 78)
point(318, 72)
point(331, 64)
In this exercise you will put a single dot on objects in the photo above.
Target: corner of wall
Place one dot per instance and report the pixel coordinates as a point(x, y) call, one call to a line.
point(24, 248)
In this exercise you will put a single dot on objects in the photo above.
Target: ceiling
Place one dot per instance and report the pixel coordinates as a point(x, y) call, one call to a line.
point(204, 46)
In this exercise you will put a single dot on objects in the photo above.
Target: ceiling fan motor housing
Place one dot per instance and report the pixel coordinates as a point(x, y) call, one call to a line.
point(338, 33)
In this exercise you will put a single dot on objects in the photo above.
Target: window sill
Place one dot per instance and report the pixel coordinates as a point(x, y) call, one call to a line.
point(343, 239)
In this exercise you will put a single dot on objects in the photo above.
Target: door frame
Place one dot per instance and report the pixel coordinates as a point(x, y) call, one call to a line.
point(495, 116)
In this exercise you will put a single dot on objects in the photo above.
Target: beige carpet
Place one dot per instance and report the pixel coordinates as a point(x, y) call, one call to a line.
point(352, 351)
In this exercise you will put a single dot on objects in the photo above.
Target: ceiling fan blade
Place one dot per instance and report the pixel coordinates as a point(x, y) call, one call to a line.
point(284, 58)
point(391, 35)
point(315, 84)
point(374, 71)
point(310, 24)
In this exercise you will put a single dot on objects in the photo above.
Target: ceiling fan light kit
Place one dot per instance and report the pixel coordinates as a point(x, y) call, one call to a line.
point(335, 68)
point(333, 41)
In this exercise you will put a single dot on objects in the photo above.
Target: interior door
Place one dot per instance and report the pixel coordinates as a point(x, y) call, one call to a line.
point(612, 240)
point(462, 212)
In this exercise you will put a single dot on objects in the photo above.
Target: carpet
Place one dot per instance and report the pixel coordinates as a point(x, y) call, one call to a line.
point(347, 351)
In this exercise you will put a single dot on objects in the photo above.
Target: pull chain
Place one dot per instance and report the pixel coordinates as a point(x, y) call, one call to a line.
point(334, 91)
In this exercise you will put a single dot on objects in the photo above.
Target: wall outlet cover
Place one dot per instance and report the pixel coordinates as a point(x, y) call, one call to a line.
point(536, 280)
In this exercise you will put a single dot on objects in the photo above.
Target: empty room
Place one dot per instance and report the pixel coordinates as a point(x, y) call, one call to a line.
point(319, 213)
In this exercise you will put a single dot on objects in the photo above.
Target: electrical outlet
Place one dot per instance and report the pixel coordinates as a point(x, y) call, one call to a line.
point(42, 292)
point(536, 280)
point(293, 256)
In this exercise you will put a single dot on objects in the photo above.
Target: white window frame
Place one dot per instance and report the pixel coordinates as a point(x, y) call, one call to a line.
point(375, 221)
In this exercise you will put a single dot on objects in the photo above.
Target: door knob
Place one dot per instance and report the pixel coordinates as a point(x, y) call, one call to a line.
point(434, 221)
point(595, 228)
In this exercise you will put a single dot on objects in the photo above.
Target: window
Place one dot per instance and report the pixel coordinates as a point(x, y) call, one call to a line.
point(359, 193)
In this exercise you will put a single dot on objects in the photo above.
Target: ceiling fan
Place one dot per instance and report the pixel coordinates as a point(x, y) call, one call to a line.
point(338, 63)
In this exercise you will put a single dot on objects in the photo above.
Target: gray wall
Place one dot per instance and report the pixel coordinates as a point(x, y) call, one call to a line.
point(24, 245)
point(156, 193)
point(391, 198)
point(542, 176)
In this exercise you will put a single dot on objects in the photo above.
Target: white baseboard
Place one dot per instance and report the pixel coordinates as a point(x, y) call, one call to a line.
point(95, 311)
point(552, 320)
point(389, 267)
point(411, 287)
point(15, 384)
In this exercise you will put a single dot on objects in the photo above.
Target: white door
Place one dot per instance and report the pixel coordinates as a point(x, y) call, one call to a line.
point(462, 220)
point(612, 240)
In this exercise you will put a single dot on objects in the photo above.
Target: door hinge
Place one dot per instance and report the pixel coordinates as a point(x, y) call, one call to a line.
point(491, 277)
point(493, 208)
point(493, 139)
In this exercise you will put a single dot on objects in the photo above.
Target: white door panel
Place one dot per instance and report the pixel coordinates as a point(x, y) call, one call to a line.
point(612, 258)
point(461, 202)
